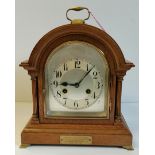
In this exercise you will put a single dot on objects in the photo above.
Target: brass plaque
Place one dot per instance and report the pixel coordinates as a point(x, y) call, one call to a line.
point(78, 140)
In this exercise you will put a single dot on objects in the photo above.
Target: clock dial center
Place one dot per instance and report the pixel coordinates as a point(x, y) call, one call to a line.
point(76, 91)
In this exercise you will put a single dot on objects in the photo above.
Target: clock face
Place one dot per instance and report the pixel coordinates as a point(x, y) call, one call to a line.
point(76, 84)
point(76, 81)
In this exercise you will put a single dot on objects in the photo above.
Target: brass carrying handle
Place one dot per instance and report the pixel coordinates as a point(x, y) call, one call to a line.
point(78, 9)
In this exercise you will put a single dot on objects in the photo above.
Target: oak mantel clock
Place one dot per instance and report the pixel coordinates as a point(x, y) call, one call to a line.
point(77, 72)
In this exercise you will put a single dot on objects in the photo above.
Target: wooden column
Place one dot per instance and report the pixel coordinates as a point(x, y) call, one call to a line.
point(35, 115)
point(118, 96)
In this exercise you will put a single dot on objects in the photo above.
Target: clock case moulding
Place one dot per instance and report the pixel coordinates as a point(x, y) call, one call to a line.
point(104, 132)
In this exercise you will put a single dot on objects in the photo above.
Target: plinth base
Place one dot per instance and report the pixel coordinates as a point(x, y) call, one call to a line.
point(117, 134)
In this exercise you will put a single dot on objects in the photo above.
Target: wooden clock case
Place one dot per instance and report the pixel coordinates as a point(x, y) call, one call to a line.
point(102, 132)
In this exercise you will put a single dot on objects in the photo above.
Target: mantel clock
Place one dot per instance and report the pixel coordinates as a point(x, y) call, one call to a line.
point(77, 72)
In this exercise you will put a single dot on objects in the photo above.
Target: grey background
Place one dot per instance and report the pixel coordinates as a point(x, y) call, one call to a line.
point(34, 18)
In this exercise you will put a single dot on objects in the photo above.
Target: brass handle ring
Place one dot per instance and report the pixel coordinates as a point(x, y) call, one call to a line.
point(78, 9)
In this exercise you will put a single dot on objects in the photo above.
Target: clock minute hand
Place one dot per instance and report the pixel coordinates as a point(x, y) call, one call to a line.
point(85, 75)
point(77, 83)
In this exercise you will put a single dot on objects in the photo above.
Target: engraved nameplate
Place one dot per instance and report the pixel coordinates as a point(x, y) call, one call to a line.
point(78, 140)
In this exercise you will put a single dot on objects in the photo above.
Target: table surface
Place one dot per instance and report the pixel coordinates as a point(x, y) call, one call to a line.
point(24, 111)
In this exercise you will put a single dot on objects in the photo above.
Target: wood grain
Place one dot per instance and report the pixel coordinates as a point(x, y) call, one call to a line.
point(43, 130)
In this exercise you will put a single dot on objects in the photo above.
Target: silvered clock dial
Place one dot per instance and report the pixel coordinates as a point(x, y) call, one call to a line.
point(76, 80)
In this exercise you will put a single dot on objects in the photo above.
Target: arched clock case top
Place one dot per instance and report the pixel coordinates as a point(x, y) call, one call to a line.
point(117, 64)
point(118, 67)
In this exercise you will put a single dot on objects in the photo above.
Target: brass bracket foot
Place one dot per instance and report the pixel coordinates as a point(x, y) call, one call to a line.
point(24, 145)
point(128, 147)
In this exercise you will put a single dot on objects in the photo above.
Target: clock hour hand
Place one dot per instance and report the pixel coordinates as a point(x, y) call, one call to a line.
point(85, 75)
point(67, 84)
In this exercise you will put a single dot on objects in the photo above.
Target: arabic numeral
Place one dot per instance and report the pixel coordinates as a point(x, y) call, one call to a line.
point(87, 67)
point(98, 85)
point(65, 67)
point(58, 93)
point(55, 83)
point(76, 104)
point(58, 74)
point(94, 95)
point(95, 75)
point(77, 63)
